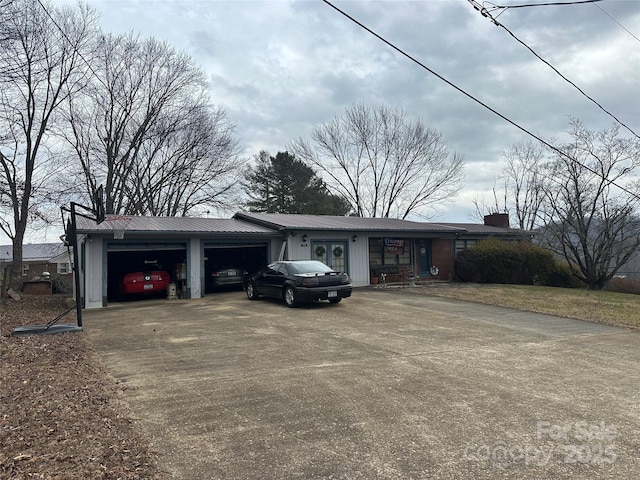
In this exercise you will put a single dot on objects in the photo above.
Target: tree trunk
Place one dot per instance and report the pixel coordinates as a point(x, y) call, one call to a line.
point(15, 271)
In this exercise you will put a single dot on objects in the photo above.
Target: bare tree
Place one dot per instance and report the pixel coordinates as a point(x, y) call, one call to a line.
point(483, 207)
point(41, 65)
point(523, 185)
point(590, 221)
point(525, 182)
point(146, 130)
point(190, 164)
point(383, 163)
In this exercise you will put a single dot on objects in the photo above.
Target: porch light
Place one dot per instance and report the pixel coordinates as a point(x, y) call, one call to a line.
point(354, 238)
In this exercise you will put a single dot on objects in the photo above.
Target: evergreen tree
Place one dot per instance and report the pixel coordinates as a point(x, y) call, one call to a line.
point(284, 184)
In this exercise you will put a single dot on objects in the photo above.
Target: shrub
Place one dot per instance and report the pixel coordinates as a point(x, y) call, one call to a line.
point(537, 264)
point(561, 276)
point(497, 261)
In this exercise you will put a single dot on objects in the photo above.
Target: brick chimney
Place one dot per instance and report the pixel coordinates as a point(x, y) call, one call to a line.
point(497, 220)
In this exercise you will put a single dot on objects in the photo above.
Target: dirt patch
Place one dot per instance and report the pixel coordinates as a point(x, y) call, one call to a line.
point(63, 415)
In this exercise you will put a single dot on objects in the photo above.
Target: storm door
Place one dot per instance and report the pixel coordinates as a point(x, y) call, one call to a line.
point(333, 254)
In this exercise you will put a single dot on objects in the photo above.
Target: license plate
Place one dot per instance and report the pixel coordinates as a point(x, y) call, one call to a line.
point(148, 286)
point(332, 294)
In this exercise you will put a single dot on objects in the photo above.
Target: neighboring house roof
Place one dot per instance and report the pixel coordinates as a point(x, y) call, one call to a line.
point(186, 225)
point(284, 221)
point(33, 252)
point(64, 257)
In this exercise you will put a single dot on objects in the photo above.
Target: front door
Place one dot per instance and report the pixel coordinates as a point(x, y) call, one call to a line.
point(333, 254)
point(424, 257)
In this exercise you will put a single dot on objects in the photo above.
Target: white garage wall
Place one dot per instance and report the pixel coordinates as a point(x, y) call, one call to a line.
point(93, 273)
point(194, 269)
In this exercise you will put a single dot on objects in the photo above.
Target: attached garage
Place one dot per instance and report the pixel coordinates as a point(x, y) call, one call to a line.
point(185, 248)
point(145, 257)
point(221, 259)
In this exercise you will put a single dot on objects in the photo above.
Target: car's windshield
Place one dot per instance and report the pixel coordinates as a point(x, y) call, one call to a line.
point(311, 266)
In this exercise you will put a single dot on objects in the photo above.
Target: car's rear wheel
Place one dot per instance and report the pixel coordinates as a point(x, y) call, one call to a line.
point(252, 293)
point(335, 300)
point(289, 296)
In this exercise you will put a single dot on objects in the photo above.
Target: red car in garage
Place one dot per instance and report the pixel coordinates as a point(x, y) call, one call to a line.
point(144, 282)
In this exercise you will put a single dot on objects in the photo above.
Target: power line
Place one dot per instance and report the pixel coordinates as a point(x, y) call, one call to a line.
point(485, 13)
point(468, 95)
point(504, 8)
point(616, 21)
point(548, 4)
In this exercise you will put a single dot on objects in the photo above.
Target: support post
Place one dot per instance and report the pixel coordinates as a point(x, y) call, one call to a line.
point(76, 269)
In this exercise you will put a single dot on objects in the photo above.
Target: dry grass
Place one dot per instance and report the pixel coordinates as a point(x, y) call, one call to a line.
point(62, 416)
point(611, 308)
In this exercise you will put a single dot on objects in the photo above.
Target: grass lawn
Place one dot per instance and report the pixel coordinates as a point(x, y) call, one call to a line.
point(595, 306)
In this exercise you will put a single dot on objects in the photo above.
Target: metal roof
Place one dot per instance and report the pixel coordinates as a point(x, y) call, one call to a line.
point(32, 252)
point(479, 228)
point(284, 221)
point(272, 223)
point(169, 225)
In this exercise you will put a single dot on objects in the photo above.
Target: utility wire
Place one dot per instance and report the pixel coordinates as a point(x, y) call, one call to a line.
point(468, 95)
point(486, 13)
point(548, 4)
point(617, 22)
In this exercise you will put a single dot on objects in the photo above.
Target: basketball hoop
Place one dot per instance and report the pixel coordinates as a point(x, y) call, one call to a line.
point(119, 224)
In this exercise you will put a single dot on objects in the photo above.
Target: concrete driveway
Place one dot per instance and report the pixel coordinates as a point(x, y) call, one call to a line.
point(385, 385)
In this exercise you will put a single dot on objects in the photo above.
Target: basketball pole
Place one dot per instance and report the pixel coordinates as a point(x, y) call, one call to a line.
point(76, 268)
point(70, 238)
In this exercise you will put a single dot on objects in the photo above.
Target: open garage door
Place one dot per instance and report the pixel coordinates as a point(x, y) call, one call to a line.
point(225, 265)
point(130, 258)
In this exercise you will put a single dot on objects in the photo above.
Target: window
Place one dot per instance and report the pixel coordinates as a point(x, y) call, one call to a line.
point(64, 268)
point(25, 269)
point(389, 251)
point(463, 245)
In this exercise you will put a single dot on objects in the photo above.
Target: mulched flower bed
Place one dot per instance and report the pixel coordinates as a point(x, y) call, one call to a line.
point(62, 415)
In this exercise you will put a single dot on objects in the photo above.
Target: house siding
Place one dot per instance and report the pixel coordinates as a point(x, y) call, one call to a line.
point(357, 252)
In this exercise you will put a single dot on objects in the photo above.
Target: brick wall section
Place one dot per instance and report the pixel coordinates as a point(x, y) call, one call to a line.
point(442, 257)
point(40, 268)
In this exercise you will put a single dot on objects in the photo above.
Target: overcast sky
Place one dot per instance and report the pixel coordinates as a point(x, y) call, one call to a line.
point(280, 67)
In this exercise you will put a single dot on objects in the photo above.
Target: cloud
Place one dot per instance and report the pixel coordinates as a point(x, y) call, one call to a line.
point(280, 67)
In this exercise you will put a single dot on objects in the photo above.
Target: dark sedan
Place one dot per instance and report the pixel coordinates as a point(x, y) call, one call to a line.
point(227, 276)
point(298, 281)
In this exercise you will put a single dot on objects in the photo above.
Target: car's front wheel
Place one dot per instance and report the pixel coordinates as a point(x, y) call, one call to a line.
point(252, 293)
point(289, 296)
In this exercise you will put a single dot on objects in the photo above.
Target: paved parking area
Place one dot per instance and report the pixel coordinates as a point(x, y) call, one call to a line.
point(385, 385)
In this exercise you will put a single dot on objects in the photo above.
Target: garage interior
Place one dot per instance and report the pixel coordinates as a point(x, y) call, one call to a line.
point(129, 258)
point(247, 258)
